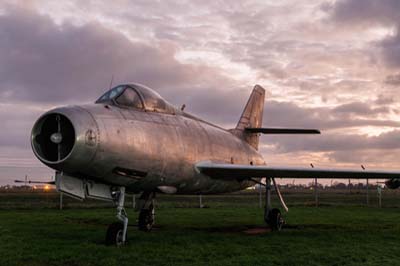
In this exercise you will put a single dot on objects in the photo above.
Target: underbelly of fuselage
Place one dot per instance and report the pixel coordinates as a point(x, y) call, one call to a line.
point(194, 187)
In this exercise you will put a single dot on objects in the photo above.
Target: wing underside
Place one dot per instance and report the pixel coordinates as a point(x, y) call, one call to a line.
point(243, 172)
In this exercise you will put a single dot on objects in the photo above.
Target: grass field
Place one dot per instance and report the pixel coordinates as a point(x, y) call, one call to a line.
point(218, 235)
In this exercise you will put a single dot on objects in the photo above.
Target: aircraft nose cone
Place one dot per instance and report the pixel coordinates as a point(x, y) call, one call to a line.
point(56, 138)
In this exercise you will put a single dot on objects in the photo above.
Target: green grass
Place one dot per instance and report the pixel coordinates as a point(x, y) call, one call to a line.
point(329, 235)
point(40, 200)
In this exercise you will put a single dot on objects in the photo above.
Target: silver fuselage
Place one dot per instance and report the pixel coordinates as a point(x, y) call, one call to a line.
point(144, 150)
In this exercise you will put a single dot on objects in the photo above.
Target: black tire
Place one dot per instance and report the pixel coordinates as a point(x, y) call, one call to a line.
point(146, 220)
point(275, 220)
point(114, 234)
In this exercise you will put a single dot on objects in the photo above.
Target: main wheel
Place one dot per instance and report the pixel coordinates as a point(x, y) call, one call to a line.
point(114, 234)
point(146, 219)
point(275, 220)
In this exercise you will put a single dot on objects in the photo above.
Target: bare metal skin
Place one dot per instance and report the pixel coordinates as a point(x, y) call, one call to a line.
point(163, 146)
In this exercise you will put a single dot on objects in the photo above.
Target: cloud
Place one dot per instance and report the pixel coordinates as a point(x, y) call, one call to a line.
point(384, 100)
point(356, 114)
point(46, 62)
point(17, 121)
point(337, 142)
point(391, 50)
point(365, 12)
point(359, 108)
point(371, 158)
point(393, 79)
point(369, 14)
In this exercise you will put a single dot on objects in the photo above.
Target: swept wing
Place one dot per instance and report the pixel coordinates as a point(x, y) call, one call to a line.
point(242, 172)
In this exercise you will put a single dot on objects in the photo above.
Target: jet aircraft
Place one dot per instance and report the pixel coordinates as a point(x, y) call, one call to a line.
point(131, 140)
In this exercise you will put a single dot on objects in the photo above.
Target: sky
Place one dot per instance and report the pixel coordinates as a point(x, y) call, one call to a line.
point(332, 65)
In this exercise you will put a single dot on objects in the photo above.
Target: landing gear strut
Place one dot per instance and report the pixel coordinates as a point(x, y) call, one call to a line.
point(116, 233)
point(147, 213)
point(272, 217)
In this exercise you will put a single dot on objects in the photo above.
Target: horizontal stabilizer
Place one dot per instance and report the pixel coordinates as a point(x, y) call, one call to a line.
point(282, 130)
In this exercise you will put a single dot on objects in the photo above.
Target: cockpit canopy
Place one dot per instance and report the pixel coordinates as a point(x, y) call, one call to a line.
point(138, 97)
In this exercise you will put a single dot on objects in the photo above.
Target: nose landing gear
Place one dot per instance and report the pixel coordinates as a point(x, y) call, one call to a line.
point(116, 233)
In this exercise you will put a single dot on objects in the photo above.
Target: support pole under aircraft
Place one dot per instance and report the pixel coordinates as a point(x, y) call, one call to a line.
point(267, 198)
point(201, 201)
point(316, 192)
point(362, 167)
point(315, 188)
point(379, 196)
point(349, 186)
point(367, 192)
point(61, 200)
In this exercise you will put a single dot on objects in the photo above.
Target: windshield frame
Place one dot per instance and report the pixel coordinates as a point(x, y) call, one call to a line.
point(146, 96)
point(107, 95)
point(127, 87)
point(113, 100)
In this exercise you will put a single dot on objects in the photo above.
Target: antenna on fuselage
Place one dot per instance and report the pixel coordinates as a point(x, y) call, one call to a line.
point(111, 81)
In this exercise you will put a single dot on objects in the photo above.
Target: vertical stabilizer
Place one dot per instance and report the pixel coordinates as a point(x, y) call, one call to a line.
point(252, 117)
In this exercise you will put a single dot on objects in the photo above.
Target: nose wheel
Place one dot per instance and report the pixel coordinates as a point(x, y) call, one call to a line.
point(117, 231)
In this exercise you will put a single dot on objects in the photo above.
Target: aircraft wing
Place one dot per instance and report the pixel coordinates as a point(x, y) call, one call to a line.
point(242, 172)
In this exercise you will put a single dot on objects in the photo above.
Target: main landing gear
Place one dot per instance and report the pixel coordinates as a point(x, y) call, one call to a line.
point(273, 216)
point(147, 213)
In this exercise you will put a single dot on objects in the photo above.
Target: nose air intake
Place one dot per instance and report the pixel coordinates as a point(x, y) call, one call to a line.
point(53, 137)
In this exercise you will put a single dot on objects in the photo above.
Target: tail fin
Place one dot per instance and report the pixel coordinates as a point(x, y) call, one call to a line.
point(252, 117)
